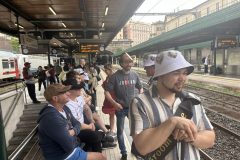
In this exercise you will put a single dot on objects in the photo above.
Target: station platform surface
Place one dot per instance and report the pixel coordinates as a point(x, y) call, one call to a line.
point(226, 82)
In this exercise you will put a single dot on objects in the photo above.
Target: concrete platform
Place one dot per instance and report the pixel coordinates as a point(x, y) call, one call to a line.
point(226, 82)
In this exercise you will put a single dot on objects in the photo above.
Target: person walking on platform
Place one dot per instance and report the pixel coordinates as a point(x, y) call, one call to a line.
point(149, 66)
point(166, 122)
point(58, 128)
point(82, 64)
point(58, 70)
point(206, 64)
point(41, 78)
point(107, 106)
point(51, 72)
point(30, 81)
point(122, 84)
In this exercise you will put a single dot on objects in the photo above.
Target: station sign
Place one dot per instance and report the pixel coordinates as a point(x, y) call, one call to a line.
point(28, 41)
point(89, 48)
point(227, 42)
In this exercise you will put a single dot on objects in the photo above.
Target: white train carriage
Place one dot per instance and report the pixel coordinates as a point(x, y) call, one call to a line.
point(8, 66)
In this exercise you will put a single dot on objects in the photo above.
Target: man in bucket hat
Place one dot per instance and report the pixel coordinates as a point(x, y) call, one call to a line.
point(166, 122)
point(149, 66)
point(58, 128)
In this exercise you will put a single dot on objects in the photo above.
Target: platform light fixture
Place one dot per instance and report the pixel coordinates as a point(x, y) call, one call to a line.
point(103, 25)
point(64, 25)
point(19, 26)
point(106, 10)
point(52, 10)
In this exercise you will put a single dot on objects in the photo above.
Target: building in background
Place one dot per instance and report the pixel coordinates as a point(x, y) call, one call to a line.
point(137, 32)
point(157, 28)
point(5, 42)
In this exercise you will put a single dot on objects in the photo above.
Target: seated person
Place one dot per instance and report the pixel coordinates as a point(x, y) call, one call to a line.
point(88, 134)
point(58, 128)
point(90, 117)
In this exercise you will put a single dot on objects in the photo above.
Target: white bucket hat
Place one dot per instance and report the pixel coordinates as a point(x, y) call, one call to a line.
point(149, 60)
point(169, 61)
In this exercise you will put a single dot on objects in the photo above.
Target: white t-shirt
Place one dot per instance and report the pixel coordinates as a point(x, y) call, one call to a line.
point(76, 108)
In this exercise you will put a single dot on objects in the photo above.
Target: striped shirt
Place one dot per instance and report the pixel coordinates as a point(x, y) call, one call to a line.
point(152, 111)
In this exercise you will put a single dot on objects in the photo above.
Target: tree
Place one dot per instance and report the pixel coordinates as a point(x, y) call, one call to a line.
point(15, 44)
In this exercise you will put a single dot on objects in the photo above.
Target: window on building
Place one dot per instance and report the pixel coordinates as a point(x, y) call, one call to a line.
point(199, 14)
point(217, 6)
point(208, 10)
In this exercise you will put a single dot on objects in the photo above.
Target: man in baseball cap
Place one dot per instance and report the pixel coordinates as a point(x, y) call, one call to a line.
point(168, 117)
point(26, 63)
point(149, 66)
point(28, 77)
point(58, 129)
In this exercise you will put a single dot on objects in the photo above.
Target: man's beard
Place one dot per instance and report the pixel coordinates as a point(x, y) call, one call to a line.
point(173, 90)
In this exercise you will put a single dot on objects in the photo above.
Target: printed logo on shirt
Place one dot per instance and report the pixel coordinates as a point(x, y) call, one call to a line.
point(127, 82)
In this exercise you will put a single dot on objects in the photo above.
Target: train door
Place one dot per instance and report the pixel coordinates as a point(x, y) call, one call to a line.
point(16, 69)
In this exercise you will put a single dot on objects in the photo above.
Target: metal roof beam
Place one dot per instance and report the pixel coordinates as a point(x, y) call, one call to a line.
point(11, 7)
point(65, 30)
point(56, 20)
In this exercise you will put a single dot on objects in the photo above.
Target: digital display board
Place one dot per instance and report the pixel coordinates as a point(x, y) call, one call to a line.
point(89, 48)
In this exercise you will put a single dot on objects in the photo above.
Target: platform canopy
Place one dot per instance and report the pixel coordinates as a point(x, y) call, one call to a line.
point(72, 22)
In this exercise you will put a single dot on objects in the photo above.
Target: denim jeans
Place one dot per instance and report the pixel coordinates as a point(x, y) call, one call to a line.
point(120, 126)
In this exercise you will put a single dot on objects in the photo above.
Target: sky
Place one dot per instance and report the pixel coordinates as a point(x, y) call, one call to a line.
point(163, 6)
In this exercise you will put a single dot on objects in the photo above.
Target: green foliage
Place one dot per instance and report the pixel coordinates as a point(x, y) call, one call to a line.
point(15, 44)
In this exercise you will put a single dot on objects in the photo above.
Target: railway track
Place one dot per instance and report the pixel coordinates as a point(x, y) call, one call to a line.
point(220, 127)
point(10, 86)
point(204, 155)
point(230, 101)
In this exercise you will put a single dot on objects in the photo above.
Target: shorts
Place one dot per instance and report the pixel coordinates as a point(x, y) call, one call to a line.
point(77, 154)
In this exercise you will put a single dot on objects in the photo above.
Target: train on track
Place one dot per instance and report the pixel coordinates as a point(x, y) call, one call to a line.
point(8, 66)
point(11, 64)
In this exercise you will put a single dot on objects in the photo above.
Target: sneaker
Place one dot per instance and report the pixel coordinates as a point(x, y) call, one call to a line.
point(112, 134)
point(36, 102)
point(108, 145)
point(124, 157)
point(108, 138)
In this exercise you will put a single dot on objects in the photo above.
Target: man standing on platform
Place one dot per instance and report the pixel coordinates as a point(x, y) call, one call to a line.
point(149, 66)
point(30, 82)
point(123, 83)
point(166, 122)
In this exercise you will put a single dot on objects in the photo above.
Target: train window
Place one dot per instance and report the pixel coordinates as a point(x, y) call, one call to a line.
point(12, 63)
point(5, 63)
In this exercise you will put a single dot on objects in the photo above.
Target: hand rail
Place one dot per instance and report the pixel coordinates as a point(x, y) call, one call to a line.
point(24, 143)
point(3, 147)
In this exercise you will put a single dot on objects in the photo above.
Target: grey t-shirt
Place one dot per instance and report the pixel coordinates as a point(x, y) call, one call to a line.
point(123, 86)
